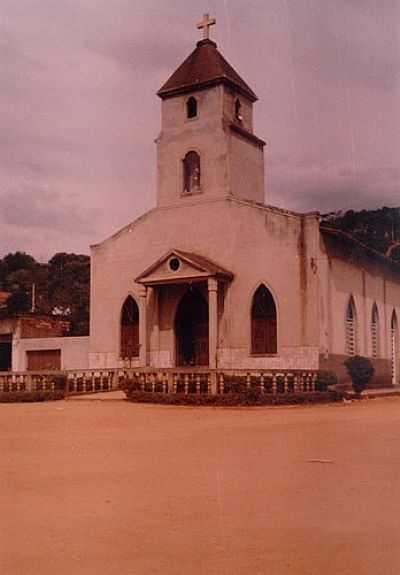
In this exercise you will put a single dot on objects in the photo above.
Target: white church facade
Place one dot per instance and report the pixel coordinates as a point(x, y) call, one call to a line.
point(213, 276)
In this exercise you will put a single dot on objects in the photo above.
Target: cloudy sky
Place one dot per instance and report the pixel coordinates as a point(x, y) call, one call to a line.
point(79, 114)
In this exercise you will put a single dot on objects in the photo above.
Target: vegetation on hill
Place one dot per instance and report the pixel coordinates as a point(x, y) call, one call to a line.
point(378, 229)
point(60, 287)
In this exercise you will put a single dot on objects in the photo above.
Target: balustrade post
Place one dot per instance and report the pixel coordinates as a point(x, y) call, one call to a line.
point(66, 386)
point(28, 382)
point(213, 382)
point(143, 325)
point(274, 384)
point(169, 382)
point(212, 321)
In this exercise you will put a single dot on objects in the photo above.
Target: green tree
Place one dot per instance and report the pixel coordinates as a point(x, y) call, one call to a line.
point(17, 261)
point(18, 302)
point(68, 289)
point(360, 370)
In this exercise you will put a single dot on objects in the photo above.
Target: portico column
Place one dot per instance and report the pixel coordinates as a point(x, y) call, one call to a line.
point(212, 321)
point(143, 325)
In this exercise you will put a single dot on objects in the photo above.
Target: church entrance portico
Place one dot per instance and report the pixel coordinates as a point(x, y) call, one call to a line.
point(194, 326)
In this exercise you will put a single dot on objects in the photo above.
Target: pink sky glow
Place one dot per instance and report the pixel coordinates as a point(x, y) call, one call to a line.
point(79, 114)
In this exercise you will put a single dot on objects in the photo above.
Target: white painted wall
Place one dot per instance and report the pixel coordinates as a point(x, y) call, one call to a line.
point(74, 351)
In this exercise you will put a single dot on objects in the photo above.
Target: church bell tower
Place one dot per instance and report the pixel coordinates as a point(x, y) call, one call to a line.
point(206, 147)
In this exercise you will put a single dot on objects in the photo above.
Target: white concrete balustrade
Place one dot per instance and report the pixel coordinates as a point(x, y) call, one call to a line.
point(198, 381)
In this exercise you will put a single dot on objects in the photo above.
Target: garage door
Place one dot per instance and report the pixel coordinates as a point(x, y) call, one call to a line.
point(44, 359)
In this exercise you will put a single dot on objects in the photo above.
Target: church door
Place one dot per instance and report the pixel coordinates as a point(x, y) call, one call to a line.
point(191, 329)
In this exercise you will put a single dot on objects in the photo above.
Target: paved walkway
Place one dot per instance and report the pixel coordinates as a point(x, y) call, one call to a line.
point(101, 396)
point(382, 392)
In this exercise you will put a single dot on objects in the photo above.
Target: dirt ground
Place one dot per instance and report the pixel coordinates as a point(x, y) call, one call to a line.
point(110, 487)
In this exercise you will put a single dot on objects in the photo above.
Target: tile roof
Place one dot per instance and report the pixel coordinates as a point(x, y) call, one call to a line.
point(204, 67)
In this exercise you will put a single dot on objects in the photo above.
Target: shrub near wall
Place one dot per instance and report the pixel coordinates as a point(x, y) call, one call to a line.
point(252, 398)
point(30, 396)
point(236, 393)
point(50, 390)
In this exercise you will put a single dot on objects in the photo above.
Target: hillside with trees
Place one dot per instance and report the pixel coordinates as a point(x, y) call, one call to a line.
point(59, 287)
point(378, 229)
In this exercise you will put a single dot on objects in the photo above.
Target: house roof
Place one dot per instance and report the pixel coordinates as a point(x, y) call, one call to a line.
point(203, 68)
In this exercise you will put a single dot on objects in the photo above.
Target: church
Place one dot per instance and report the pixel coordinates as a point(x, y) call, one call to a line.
point(213, 277)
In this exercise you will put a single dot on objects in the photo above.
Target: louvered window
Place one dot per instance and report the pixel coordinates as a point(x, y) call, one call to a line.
point(351, 329)
point(375, 332)
point(394, 348)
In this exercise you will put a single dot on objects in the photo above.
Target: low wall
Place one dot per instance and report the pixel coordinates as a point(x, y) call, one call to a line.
point(381, 378)
point(74, 351)
point(165, 380)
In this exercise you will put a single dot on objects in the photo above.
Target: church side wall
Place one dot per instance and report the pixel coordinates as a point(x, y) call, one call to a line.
point(368, 283)
point(255, 243)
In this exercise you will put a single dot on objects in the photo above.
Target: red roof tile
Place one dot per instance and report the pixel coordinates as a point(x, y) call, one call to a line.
point(204, 67)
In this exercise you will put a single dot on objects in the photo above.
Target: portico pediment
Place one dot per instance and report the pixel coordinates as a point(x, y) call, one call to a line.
point(180, 267)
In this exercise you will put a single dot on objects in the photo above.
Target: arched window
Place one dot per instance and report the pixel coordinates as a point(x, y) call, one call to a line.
point(191, 107)
point(129, 329)
point(351, 328)
point(375, 331)
point(238, 110)
point(263, 322)
point(394, 347)
point(191, 172)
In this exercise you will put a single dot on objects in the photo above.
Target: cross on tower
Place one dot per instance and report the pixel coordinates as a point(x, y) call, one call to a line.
point(205, 24)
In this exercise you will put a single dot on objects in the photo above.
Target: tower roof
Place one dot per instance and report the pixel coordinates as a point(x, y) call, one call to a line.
point(203, 68)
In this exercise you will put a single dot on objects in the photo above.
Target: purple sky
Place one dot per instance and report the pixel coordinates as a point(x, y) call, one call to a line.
point(79, 114)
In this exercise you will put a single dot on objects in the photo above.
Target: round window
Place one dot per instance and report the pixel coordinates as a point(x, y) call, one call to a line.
point(174, 264)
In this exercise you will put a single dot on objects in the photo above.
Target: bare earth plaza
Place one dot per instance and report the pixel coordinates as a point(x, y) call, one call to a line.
point(109, 487)
point(213, 292)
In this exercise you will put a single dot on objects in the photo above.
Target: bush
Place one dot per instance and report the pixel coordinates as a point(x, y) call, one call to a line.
point(30, 396)
point(250, 398)
point(325, 379)
point(360, 370)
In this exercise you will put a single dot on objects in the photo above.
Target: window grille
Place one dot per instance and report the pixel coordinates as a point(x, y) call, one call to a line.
point(351, 329)
point(394, 348)
point(374, 332)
